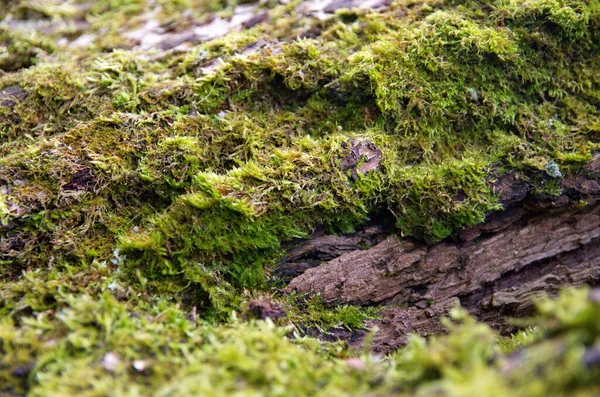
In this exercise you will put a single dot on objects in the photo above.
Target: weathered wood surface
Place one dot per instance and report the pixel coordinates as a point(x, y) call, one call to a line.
point(536, 245)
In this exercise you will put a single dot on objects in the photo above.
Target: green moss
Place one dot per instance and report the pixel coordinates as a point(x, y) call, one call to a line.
point(519, 340)
point(21, 50)
point(87, 333)
point(311, 312)
point(198, 176)
point(167, 180)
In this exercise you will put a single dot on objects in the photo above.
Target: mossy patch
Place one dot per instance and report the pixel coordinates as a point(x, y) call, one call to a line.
point(21, 50)
point(88, 333)
point(311, 312)
point(200, 175)
point(133, 181)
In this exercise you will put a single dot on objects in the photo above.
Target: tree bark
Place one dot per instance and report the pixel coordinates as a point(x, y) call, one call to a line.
point(535, 245)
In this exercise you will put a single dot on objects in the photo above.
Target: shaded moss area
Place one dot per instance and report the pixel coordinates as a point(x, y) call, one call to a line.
point(137, 184)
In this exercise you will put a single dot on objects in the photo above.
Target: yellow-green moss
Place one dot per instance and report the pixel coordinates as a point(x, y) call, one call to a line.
point(201, 175)
point(20, 50)
point(88, 333)
point(132, 181)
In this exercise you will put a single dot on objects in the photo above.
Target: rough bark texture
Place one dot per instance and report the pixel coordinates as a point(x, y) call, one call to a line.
point(536, 245)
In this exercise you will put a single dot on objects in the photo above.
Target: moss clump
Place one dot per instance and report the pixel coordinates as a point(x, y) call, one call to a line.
point(133, 181)
point(87, 333)
point(311, 312)
point(197, 172)
point(21, 50)
point(462, 362)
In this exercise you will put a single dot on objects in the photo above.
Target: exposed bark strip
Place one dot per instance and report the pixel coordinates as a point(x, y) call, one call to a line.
point(493, 270)
point(373, 276)
point(322, 248)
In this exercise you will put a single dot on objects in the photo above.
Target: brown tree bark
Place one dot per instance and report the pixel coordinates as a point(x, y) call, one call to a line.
point(535, 245)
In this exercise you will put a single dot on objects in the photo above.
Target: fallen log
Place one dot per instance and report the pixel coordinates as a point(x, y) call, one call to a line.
point(536, 245)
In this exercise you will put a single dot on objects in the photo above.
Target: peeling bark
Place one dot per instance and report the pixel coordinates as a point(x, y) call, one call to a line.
point(535, 245)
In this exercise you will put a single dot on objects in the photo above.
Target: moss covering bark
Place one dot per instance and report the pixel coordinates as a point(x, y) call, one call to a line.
point(178, 174)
